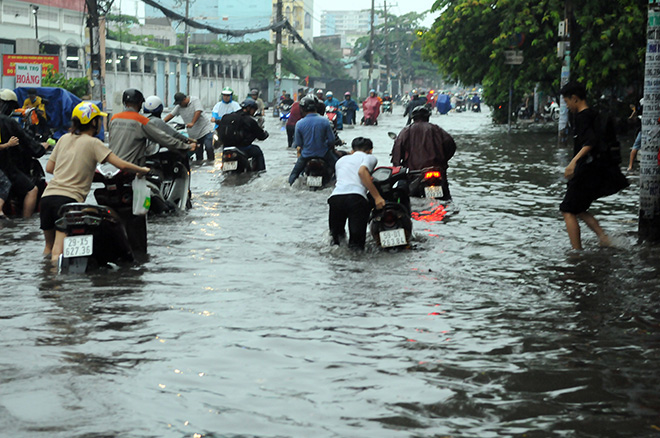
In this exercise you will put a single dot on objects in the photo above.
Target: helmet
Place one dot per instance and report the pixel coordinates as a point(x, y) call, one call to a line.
point(85, 111)
point(421, 111)
point(249, 103)
point(415, 93)
point(319, 91)
point(254, 91)
point(132, 96)
point(8, 95)
point(153, 104)
point(227, 90)
point(329, 93)
point(309, 103)
point(372, 91)
point(348, 93)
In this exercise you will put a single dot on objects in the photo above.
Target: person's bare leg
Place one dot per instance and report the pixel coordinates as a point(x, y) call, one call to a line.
point(573, 229)
point(30, 202)
point(633, 154)
point(58, 246)
point(49, 237)
point(595, 226)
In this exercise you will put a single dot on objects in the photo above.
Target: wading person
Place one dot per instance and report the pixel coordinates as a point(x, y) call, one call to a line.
point(349, 198)
point(592, 173)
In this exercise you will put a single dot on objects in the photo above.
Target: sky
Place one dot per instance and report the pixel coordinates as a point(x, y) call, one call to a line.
point(397, 7)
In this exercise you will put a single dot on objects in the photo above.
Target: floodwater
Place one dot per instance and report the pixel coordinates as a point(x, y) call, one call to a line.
point(244, 322)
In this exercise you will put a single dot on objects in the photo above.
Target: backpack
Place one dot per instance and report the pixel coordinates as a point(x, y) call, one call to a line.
point(230, 129)
point(609, 148)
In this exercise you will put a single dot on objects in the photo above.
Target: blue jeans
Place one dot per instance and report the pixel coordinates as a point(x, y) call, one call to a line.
point(205, 142)
point(254, 151)
point(329, 158)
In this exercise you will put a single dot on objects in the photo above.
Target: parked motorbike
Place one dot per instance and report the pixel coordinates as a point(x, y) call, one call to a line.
point(391, 226)
point(551, 111)
point(95, 237)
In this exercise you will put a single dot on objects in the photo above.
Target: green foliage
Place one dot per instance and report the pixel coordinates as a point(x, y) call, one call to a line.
point(77, 86)
point(469, 38)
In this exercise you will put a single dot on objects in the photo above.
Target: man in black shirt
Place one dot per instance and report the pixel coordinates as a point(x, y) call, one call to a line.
point(590, 174)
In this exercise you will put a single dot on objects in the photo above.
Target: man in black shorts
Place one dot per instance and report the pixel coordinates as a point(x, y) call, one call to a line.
point(591, 174)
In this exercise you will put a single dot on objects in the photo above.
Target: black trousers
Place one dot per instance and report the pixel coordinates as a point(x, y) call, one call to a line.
point(290, 131)
point(355, 209)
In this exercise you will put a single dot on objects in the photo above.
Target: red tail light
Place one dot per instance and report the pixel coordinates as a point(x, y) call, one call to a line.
point(432, 174)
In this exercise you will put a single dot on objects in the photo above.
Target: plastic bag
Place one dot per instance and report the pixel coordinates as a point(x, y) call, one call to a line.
point(141, 197)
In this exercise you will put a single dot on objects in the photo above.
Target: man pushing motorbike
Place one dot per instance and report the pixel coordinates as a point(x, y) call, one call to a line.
point(423, 145)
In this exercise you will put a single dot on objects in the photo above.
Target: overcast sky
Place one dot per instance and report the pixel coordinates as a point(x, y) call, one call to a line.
point(397, 7)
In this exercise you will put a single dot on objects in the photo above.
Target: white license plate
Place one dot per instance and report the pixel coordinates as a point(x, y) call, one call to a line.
point(433, 192)
point(392, 238)
point(314, 181)
point(230, 165)
point(78, 246)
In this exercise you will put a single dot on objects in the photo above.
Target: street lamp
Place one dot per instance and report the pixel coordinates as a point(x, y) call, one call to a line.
point(35, 9)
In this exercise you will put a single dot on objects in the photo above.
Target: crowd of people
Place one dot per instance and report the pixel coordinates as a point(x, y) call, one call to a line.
point(420, 144)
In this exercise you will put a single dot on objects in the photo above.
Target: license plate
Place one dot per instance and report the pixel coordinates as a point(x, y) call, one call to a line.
point(392, 238)
point(78, 246)
point(230, 165)
point(314, 181)
point(433, 192)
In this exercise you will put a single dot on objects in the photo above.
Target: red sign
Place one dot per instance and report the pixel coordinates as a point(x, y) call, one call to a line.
point(9, 63)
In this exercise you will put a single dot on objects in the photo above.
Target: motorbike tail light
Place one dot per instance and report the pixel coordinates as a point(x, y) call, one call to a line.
point(432, 174)
point(389, 218)
point(77, 231)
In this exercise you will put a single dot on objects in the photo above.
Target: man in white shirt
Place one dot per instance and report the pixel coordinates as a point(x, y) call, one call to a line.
point(349, 198)
point(199, 128)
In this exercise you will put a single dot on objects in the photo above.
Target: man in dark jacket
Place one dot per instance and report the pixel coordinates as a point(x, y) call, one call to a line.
point(416, 101)
point(251, 131)
point(424, 144)
point(16, 161)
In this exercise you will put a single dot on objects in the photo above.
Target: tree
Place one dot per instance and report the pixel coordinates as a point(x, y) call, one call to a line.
point(77, 86)
point(469, 38)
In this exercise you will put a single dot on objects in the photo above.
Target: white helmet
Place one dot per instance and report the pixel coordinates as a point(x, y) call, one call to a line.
point(152, 104)
point(8, 95)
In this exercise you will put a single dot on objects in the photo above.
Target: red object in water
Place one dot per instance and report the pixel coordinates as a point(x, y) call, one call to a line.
point(435, 215)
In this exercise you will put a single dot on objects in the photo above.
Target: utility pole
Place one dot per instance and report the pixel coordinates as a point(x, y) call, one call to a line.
point(388, 87)
point(649, 172)
point(371, 46)
point(94, 71)
point(186, 44)
point(279, 17)
point(564, 52)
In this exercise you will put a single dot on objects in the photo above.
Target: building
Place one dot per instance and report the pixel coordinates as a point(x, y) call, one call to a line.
point(299, 13)
point(55, 29)
point(347, 23)
point(223, 14)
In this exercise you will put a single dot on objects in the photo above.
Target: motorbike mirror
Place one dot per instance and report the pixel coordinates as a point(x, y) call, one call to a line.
point(392, 135)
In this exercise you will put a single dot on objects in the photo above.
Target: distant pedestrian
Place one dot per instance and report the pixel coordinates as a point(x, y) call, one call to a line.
point(592, 173)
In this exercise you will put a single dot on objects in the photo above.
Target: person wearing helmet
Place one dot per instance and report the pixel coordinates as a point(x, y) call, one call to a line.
point(129, 131)
point(153, 109)
point(331, 101)
point(15, 158)
point(72, 164)
point(199, 127)
point(250, 131)
point(313, 138)
point(416, 101)
point(350, 107)
point(226, 105)
point(423, 144)
point(254, 94)
point(371, 108)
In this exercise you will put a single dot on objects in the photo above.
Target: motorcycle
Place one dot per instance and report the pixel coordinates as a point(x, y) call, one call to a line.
point(285, 112)
point(428, 183)
point(551, 111)
point(461, 106)
point(391, 226)
point(475, 107)
point(117, 194)
point(14, 204)
point(318, 173)
point(236, 161)
point(95, 237)
point(387, 106)
point(169, 181)
point(331, 114)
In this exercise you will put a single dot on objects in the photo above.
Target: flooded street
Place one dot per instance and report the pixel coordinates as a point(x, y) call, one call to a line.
point(244, 322)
